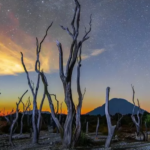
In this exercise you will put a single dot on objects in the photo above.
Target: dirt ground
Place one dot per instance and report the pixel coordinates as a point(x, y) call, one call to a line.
point(51, 141)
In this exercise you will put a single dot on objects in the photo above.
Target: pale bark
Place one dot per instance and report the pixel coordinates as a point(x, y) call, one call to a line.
point(15, 120)
point(25, 108)
point(39, 114)
point(45, 83)
point(34, 94)
point(9, 121)
point(57, 108)
point(67, 78)
point(111, 128)
point(80, 99)
point(44, 80)
point(36, 114)
point(118, 122)
point(137, 122)
point(97, 126)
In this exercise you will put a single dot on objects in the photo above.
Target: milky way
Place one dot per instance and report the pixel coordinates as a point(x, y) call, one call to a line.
point(116, 55)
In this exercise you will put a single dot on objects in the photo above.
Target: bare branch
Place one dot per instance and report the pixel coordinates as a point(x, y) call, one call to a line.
point(111, 128)
point(57, 102)
point(133, 98)
point(51, 104)
point(44, 36)
point(66, 29)
point(61, 70)
point(28, 78)
point(87, 32)
point(39, 117)
point(73, 20)
point(16, 118)
point(37, 85)
point(118, 122)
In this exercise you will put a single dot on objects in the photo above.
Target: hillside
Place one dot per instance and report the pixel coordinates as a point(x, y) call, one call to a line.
point(116, 105)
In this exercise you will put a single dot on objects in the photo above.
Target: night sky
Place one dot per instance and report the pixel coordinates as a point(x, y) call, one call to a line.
point(116, 55)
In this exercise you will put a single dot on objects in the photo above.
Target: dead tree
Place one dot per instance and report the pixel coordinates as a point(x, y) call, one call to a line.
point(35, 120)
point(118, 121)
point(97, 126)
point(15, 120)
point(36, 123)
point(57, 108)
point(111, 128)
point(80, 99)
point(6, 116)
point(66, 78)
point(137, 122)
point(25, 108)
point(45, 83)
point(57, 103)
point(76, 45)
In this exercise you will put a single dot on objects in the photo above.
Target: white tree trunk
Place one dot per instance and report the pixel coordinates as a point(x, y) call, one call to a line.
point(97, 126)
point(111, 128)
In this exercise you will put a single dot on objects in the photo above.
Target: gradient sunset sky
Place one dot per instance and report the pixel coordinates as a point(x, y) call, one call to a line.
point(116, 55)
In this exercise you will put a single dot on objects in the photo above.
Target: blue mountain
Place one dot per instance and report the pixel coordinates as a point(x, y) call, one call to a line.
point(116, 105)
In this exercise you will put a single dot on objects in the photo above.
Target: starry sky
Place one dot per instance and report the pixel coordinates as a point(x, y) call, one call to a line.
point(116, 55)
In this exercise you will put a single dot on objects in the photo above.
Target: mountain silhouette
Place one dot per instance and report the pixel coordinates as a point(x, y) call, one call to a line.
point(117, 105)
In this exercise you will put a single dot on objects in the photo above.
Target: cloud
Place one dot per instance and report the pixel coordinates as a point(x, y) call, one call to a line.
point(94, 53)
point(10, 57)
point(97, 52)
point(84, 56)
point(13, 40)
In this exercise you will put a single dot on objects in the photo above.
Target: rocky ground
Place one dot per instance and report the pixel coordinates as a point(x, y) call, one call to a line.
point(51, 141)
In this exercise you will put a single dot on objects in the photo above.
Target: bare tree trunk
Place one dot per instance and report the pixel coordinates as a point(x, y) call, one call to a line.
point(34, 94)
point(66, 79)
point(39, 114)
point(97, 127)
point(111, 128)
point(15, 128)
point(44, 80)
point(67, 140)
point(36, 115)
point(34, 122)
point(7, 117)
point(15, 120)
point(57, 111)
point(80, 99)
point(23, 113)
point(118, 122)
point(139, 133)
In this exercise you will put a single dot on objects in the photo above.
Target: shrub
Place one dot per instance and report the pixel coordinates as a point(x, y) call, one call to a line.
point(84, 140)
point(104, 130)
point(147, 119)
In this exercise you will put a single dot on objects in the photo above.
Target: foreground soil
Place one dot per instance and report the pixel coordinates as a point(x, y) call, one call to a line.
point(51, 141)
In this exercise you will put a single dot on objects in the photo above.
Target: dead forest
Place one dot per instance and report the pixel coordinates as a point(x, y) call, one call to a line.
point(32, 128)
